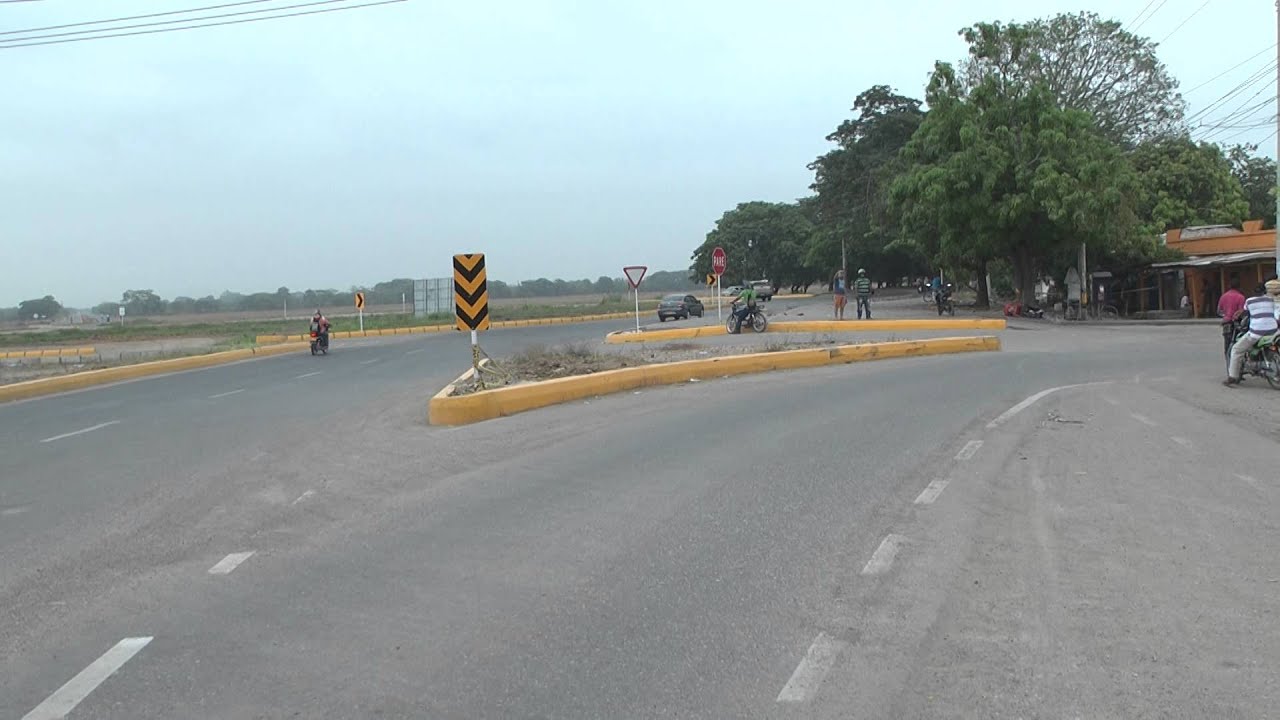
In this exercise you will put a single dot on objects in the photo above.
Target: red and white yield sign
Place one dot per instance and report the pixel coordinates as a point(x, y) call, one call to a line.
point(635, 273)
point(718, 261)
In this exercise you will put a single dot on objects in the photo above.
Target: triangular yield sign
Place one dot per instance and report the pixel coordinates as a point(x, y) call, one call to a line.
point(635, 274)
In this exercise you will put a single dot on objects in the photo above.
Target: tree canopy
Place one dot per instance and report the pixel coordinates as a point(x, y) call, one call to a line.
point(44, 308)
point(1187, 183)
point(762, 241)
point(1087, 64)
point(1257, 178)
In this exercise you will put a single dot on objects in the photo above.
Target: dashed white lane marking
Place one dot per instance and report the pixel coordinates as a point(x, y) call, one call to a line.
point(229, 563)
point(307, 375)
point(64, 436)
point(303, 496)
point(932, 492)
point(1144, 420)
point(226, 394)
point(1181, 441)
point(969, 450)
point(882, 559)
point(415, 352)
point(66, 698)
point(370, 362)
point(1008, 414)
point(1111, 401)
point(813, 668)
point(1249, 480)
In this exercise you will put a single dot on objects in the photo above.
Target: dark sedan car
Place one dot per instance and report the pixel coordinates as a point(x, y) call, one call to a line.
point(679, 306)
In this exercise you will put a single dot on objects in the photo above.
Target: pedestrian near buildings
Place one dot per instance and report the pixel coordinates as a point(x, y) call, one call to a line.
point(839, 293)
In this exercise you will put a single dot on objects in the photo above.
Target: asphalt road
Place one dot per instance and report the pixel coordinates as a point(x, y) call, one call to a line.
point(878, 540)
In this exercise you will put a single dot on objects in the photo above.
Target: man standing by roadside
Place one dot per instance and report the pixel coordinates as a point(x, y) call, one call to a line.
point(862, 286)
point(1230, 305)
point(839, 293)
point(1262, 322)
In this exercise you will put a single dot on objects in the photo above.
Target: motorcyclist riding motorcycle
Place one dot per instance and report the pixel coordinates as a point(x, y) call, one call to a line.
point(748, 299)
point(320, 324)
point(1261, 312)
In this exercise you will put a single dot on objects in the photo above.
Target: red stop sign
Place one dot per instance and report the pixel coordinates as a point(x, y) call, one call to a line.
point(718, 261)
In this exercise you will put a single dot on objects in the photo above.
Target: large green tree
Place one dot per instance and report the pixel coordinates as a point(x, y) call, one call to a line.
point(1187, 183)
point(1086, 63)
point(999, 170)
point(761, 240)
point(851, 183)
point(1257, 177)
point(45, 308)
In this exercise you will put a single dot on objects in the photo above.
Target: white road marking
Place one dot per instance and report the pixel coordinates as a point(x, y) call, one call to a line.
point(229, 563)
point(307, 375)
point(1181, 441)
point(1144, 420)
point(14, 510)
point(64, 436)
point(1249, 480)
point(303, 496)
point(932, 492)
point(1008, 414)
point(969, 450)
point(226, 394)
point(66, 698)
point(1111, 401)
point(415, 352)
point(882, 559)
point(369, 362)
point(813, 668)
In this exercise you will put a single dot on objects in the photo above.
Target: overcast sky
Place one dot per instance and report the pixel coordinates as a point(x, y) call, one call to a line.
point(562, 138)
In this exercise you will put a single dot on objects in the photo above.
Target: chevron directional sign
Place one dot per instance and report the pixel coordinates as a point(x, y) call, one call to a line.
point(470, 292)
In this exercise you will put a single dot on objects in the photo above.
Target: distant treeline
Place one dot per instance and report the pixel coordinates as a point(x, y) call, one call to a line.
point(142, 303)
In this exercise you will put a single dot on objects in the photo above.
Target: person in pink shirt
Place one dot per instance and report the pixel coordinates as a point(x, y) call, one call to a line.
point(1229, 306)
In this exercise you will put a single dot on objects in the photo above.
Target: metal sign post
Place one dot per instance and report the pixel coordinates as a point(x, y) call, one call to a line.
point(360, 309)
point(635, 274)
point(471, 303)
point(719, 262)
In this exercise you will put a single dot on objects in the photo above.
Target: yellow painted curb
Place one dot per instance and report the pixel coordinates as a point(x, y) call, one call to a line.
point(811, 326)
point(89, 378)
point(47, 352)
point(486, 405)
point(498, 324)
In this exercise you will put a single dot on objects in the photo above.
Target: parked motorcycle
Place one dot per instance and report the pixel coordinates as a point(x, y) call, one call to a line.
point(319, 340)
point(1263, 359)
point(756, 318)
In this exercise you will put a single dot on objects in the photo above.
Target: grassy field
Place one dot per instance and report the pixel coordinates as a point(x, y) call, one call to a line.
point(241, 333)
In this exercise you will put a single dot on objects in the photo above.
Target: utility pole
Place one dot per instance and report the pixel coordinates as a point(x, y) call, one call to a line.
point(1278, 143)
point(844, 263)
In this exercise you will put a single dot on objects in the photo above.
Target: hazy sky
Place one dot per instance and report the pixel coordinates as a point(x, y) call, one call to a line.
point(562, 138)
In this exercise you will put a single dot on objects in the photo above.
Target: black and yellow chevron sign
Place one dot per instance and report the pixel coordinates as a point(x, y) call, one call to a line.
point(470, 292)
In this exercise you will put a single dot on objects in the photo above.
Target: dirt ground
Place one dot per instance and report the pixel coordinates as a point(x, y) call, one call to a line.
point(541, 363)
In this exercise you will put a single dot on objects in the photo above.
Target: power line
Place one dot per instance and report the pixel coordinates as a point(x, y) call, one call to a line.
point(1184, 22)
point(1153, 14)
point(203, 25)
point(171, 22)
point(1251, 81)
point(133, 17)
point(1233, 67)
point(1143, 12)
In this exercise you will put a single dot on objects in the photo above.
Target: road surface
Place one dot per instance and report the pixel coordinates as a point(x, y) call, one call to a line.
point(937, 537)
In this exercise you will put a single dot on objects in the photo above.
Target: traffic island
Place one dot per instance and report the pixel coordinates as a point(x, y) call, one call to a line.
point(459, 403)
point(810, 326)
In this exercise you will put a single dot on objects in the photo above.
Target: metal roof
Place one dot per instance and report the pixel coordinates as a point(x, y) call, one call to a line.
point(1214, 260)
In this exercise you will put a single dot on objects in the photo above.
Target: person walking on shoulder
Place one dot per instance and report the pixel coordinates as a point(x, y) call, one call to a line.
point(862, 286)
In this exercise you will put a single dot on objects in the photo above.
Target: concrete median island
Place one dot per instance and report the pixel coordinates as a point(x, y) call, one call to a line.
point(459, 404)
point(810, 326)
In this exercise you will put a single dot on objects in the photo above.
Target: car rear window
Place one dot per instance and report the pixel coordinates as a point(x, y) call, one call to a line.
point(674, 298)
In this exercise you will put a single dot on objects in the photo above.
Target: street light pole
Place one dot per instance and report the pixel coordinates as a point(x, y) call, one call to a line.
point(1278, 144)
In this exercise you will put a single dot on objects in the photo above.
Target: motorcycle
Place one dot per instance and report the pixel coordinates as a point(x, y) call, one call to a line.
point(756, 317)
point(944, 301)
point(926, 292)
point(1263, 359)
point(319, 340)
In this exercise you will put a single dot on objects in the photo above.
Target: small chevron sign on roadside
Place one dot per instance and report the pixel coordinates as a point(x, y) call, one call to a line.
point(470, 292)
